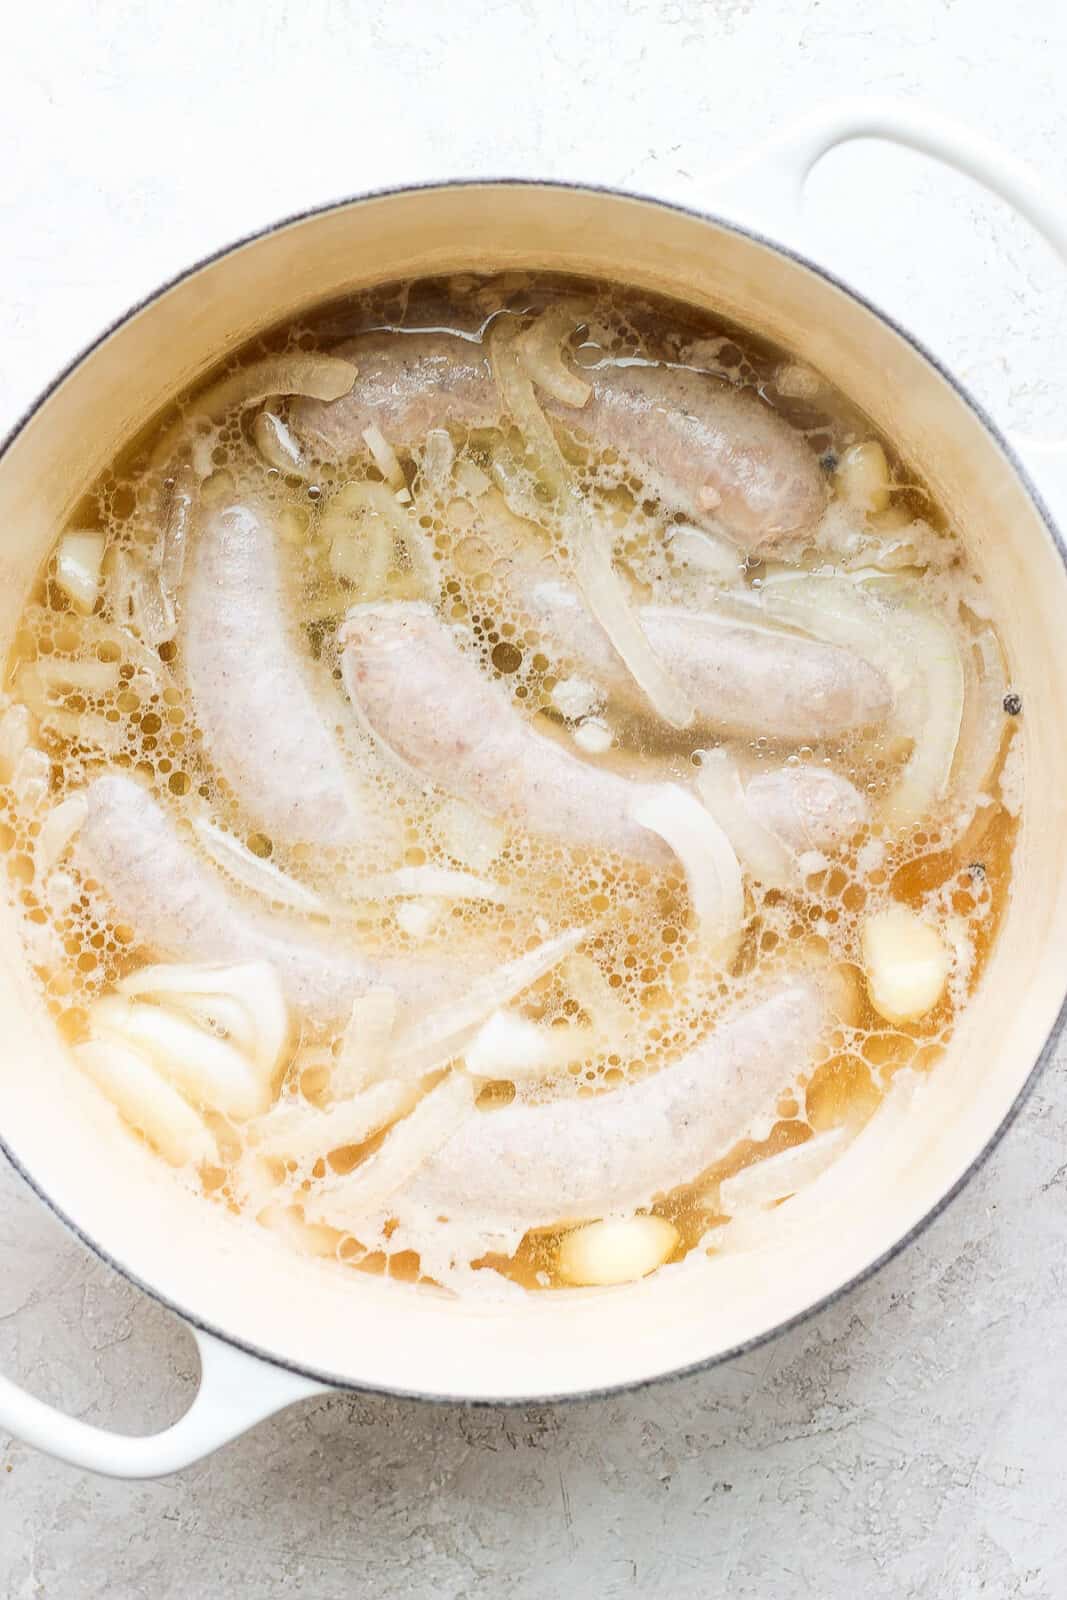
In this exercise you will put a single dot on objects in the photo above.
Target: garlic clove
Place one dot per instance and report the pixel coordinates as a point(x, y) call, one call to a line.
point(906, 962)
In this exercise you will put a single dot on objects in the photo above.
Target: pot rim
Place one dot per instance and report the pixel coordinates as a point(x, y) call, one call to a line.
point(392, 191)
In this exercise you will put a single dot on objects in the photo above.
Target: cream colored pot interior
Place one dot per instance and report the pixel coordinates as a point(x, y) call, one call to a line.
point(365, 1332)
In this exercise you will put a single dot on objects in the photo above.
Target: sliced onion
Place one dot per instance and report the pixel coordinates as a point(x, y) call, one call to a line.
point(220, 1014)
point(176, 529)
point(16, 732)
point(540, 349)
point(79, 568)
point(364, 1050)
point(438, 882)
point(378, 498)
point(317, 376)
point(89, 729)
point(916, 651)
point(513, 484)
point(31, 689)
point(604, 591)
point(760, 852)
point(259, 876)
point(602, 587)
point(777, 1177)
point(37, 681)
point(385, 457)
point(277, 445)
point(712, 871)
point(98, 639)
point(44, 698)
point(870, 1158)
point(438, 460)
point(58, 831)
point(510, 1046)
point(152, 612)
point(147, 1101)
point(441, 1036)
point(984, 720)
point(933, 711)
point(246, 997)
point(138, 601)
point(301, 1132)
point(211, 1071)
point(408, 1144)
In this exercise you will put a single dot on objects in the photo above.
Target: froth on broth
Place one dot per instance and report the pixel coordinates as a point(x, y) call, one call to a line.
point(504, 780)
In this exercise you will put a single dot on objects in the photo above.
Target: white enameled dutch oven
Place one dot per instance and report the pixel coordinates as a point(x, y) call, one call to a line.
point(273, 1330)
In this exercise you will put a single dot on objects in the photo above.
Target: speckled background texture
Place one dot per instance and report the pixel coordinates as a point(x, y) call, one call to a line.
point(908, 1443)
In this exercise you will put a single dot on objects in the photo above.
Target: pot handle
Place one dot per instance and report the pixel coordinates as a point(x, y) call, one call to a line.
point(236, 1391)
point(765, 191)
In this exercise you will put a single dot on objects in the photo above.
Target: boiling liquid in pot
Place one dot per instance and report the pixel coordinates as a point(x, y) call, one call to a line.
point(413, 911)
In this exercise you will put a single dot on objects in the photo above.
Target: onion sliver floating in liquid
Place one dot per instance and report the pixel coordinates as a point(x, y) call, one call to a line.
point(277, 446)
point(870, 1157)
point(440, 1036)
point(776, 1177)
point(385, 457)
point(984, 722)
point(210, 1071)
point(760, 852)
point(540, 348)
point(303, 373)
point(260, 876)
point(364, 1047)
point(508, 1046)
point(148, 1102)
point(342, 1201)
point(918, 654)
point(712, 872)
point(79, 567)
point(256, 1005)
point(58, 831)
point(303, 1133)
point(602, 587)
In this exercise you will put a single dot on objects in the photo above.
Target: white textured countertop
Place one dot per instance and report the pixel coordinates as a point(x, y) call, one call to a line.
point(909, 1442)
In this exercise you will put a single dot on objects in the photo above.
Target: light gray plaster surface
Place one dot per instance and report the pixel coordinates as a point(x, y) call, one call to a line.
point(912, 1440)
